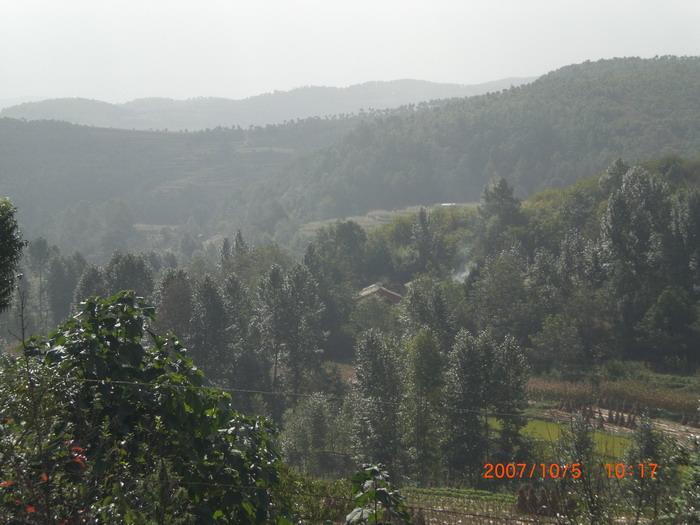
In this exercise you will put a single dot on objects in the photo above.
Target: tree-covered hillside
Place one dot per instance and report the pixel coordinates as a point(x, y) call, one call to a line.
point(270, 108)
point(565, 125)
point(57, 172)
point(271, 180)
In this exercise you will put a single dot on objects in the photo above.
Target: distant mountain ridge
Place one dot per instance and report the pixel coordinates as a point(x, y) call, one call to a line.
point(15, 101)
point(269, 108)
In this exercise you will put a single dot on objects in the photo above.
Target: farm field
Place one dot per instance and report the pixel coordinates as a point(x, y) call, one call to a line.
point(664, 395)
point(447, 506)
point(608, 444)
point(376, 218)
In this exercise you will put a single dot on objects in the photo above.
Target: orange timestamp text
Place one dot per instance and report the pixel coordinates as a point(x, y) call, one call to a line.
point(638, 470)
point(532, 470)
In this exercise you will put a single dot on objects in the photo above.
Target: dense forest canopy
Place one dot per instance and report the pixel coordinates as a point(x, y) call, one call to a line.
point(543, 271)
point(563, 286)
point(159, 188)
point(565, 125)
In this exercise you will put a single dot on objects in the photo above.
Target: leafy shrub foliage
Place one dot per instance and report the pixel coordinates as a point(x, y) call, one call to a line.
point(377, 502)
point(105, 421)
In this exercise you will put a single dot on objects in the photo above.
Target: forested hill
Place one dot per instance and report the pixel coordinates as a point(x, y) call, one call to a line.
point(270, 108)
point(565, 125)
point(56, 172)
point(271, 180)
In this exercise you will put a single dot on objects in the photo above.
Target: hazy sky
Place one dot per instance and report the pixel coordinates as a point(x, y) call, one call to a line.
point(118, 50)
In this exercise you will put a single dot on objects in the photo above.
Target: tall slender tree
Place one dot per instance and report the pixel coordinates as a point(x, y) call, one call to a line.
point(174, 301)
point(378, 390)
point(288, 320)
point(39, 254)
point(11, 245)
point(422, 406)
point(467, 379)
point(208, 331)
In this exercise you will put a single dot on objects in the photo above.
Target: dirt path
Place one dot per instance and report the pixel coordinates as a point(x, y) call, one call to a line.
point(683, 433)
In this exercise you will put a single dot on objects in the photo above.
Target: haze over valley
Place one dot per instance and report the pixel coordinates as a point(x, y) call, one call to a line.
point(271, 180)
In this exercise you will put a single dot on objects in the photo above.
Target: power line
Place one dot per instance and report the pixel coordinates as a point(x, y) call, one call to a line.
point(482, 412)
point(550, 440)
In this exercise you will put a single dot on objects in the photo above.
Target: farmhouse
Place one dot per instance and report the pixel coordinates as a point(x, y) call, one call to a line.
point(378, 290)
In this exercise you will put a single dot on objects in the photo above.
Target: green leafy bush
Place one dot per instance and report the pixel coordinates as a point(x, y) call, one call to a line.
point(376, 501)
point(105, 421)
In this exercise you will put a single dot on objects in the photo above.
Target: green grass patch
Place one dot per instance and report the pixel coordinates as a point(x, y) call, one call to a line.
point(546, 433)
point(606, 443)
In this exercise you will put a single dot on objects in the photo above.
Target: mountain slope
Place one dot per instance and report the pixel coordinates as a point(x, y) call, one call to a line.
point(269, 108)
point(48, 168)
point(565, 125)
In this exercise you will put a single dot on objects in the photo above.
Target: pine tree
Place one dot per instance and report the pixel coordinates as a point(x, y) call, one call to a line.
point(174, 303)
point(250, 368)
point(208, 331)
point(127, 271)
point(306, 341)
point(423, 245)
point(508, 395)
point(467, 379)
point(238, 307)
point(611, 179)
point(237, 257)
point(92, 283)
point(240, 246)
point(337, 284)
point(500, 299)
point(59, 289)
point(273, 321)
point(686, 232)
point(310, 437)
point(425, 306)
point(225, 250)
point(61, 283)
point(11, 245)
point(39, 254)
point(377, 391)
point(499, 213)
point(636, 236)
point(484, 376)
point(422, 406)
point(288, 318)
